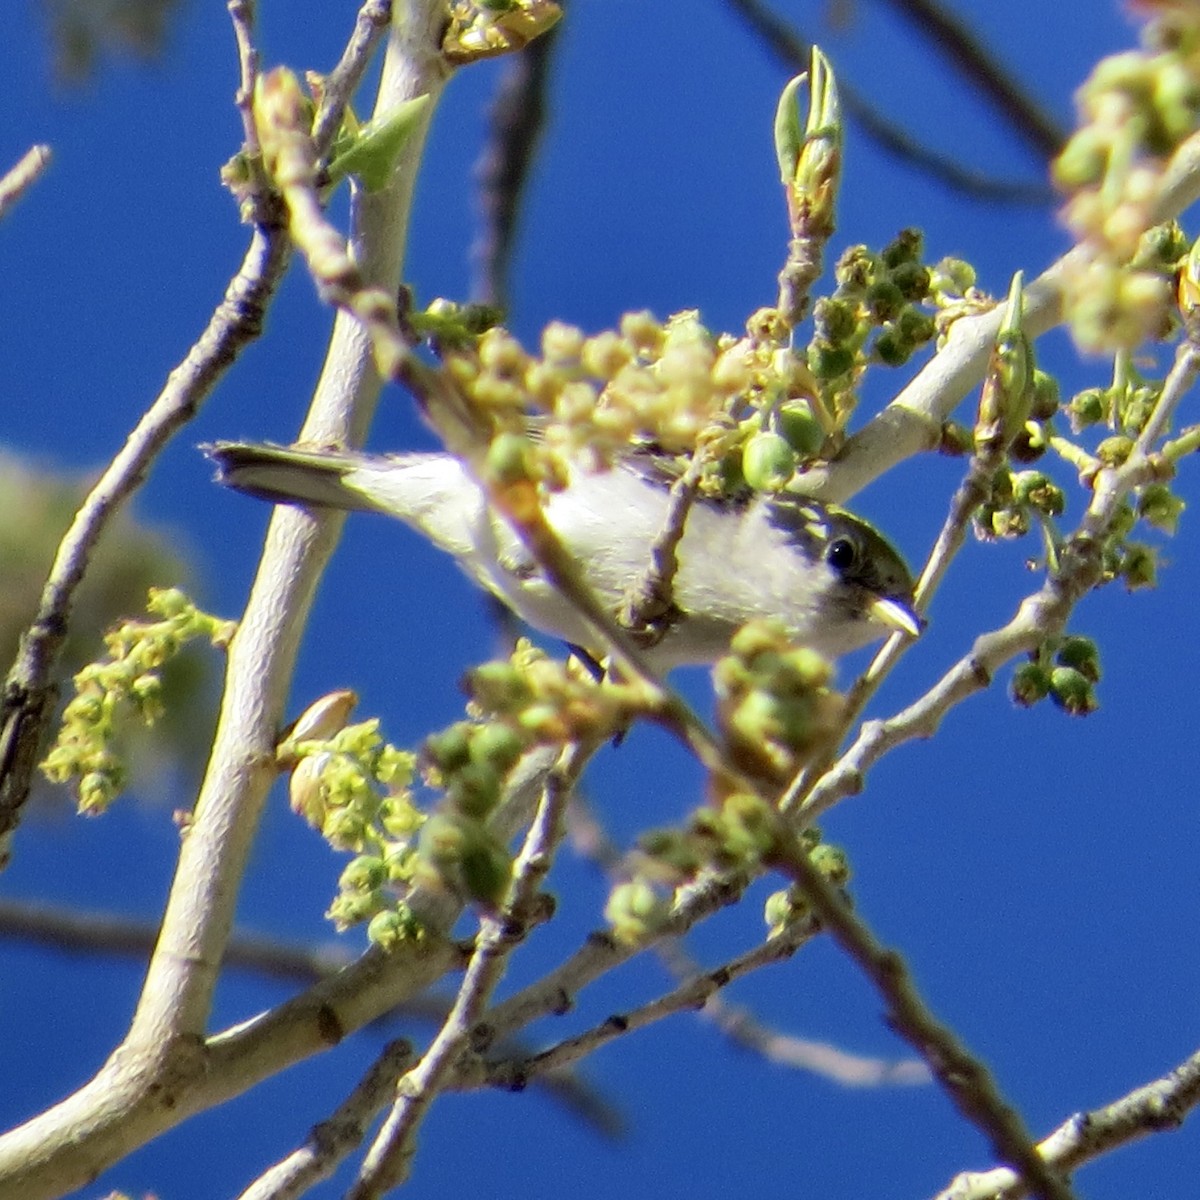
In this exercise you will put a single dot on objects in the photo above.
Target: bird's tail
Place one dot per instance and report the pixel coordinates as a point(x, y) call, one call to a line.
point(290, 475)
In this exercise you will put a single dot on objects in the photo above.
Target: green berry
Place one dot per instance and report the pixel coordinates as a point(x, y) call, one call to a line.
point(768, 462)
point(1072, 692)
point(1030, 683)
point(1082, 654)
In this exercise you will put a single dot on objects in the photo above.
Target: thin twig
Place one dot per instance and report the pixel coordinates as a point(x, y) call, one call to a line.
point(241, 15)
point(29, 691)
point(516, 121)
point(1041, 614)
point(70, 930)
point(968, 496)
point(1158, 1107)
point(742, 1027)
point(787, 45)
point(164, 1068)
point(912, 422)
point(342, 82)
point(21, 176)
point(648, 606)
point(553, 994)
point(387, 1162)
point(746, 1031)
point(337, 1136)
point(983, 71)
point(962, 1076)
point(693, 994)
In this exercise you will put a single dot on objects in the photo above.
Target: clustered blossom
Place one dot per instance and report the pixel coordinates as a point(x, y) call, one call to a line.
point(129, 680)
point(1137, 108)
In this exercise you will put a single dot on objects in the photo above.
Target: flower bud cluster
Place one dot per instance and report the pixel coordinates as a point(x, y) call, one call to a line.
point(1066, 670)
point(775, 707)
point(543, 701)
point(1019, 501)
point(526, 701)
point(595, 396)
point(129, 680)
point(786, 909)
point(635, 911)
point(1136, 109)
point(878, 295)
point(1125, 406)
point(355, 788)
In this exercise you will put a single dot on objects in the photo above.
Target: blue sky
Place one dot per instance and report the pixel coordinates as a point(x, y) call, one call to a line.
point(1038, 872)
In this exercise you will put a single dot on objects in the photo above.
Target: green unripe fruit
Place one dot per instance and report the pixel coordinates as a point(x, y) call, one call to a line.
point(365, 873)
point(904, 248)
point(1160, 508)
point(913, 280)
point(1082, 654)
point(451, 748)
point(499, 746)
point(884, 301)
point(486, 871)
point(1088, 407)
point(915, 326)
point(1045, 395)
point(1030, 683)
point(1082, 161)
point(1113, 451)
point(634, 911)
point(832, 862)
point(388, 929)
point(768, 462)
point(892, 349)
point(1072, 692)
point(828, 362)
point(799, 428)
point(836, 321)
point(510, 459)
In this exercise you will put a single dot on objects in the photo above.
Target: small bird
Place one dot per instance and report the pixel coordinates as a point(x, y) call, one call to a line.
point(833, 580)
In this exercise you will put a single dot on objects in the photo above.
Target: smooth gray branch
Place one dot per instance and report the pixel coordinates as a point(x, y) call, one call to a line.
point(387, 1162)
point(21, 176)
point(336, 1137)
point(961, 1075)
point(1156, 1107)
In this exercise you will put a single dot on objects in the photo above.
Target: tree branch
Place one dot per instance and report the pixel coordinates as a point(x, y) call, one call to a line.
point(387, 1162)
point(984, 72)
point(21, 176)
point(1040, 615)
point(337, 1136)
point(913, 421)
point(694, 993)
point(1156, 1107)
point(516, 121)
point(135, 1093)
point(962, 1076)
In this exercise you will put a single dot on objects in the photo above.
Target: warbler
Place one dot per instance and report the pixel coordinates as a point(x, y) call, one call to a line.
point(831, 578)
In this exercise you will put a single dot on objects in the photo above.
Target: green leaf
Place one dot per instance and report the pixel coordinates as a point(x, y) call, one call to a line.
point(372, 155)
point(789, 137)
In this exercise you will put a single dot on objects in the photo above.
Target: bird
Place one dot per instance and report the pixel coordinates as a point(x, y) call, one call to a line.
point(833, 581)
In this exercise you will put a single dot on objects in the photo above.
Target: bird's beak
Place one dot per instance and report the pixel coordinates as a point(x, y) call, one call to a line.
point(897, 615)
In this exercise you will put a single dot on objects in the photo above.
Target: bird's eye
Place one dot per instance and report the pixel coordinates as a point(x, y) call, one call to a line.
point(841, 554)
